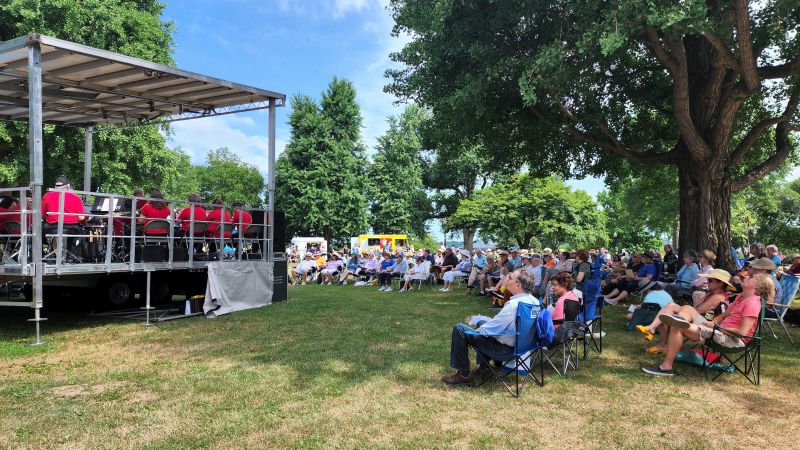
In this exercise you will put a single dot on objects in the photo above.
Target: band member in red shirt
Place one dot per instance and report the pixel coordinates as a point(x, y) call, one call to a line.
point(156, 208)
point(73, 207)
point(239, 214)
point(215, 216)
point(185, 217)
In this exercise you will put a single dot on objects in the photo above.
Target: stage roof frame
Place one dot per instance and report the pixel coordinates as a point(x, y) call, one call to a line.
point(84, 86)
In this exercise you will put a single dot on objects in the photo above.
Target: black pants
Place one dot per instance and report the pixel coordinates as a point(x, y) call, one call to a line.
point(385, 278)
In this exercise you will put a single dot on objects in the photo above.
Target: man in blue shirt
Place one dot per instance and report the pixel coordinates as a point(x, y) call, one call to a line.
point(495, 338)
point(640, 280)
point(515, 259)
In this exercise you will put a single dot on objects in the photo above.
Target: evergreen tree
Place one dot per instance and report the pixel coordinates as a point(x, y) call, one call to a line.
point(321, 175)
point(398, 203)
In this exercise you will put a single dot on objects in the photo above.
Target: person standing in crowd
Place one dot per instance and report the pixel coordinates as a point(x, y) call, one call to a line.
point(582, 270)
point(478, 267)
point(487, 342)
point(670, 259)
point(564, 262)
point(516, 260)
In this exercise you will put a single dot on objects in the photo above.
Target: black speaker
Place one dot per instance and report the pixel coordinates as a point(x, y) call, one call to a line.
point(279, 233)
point(280, 284)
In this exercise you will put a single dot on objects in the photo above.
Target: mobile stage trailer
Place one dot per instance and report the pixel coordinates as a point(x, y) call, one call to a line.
point(44, 80)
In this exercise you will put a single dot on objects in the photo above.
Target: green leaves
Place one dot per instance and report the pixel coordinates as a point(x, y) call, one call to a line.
point(320, 179)
point(525, 209)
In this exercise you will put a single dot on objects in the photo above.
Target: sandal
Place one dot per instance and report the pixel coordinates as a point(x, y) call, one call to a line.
point(655, 350)
point(645, 331)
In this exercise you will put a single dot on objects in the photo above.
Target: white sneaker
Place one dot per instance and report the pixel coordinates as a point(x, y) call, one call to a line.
point(388, 289)
point(447, 290)
point(402, 290)
point(609, 301)
point(442, 289)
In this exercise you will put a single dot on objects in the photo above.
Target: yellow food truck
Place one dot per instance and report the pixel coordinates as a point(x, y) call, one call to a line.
point(382, 242)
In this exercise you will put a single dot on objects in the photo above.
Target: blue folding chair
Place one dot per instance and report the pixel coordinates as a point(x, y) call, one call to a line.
point(527, 354)
point(775, 312)
point(592, 312)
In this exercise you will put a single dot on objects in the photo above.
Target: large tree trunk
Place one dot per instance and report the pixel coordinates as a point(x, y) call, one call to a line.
point(469, 236)
point(705, 207)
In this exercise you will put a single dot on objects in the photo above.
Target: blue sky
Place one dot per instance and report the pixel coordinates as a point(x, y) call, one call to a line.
point(288, 46)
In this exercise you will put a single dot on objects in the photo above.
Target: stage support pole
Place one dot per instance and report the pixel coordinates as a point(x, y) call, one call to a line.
point(87, 161)
point(36, 159)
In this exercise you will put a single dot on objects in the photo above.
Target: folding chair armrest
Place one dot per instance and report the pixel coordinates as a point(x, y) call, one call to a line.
point(734, 333)
point(776, 305)
point(478, 333)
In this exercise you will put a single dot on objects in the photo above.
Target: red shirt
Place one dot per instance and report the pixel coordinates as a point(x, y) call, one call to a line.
point(247, 219)
point(73, 206)
point(185, 216)
point(214, 219)
point(3, 219)
point(149, 211)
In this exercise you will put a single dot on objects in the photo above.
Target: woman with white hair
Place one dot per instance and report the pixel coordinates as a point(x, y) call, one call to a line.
point(461, 269)
point(419, 271)
point(773, 254)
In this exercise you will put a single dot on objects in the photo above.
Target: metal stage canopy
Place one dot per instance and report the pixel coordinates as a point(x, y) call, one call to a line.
point(84, 86)
point(44, 80)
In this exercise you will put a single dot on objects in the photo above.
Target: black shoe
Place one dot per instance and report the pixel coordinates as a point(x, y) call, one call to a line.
point(657, 371)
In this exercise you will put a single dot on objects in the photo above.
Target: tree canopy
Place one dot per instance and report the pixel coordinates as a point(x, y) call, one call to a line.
point(226, 176)
point(123, 158)
point(517, 210)
point(575, 87)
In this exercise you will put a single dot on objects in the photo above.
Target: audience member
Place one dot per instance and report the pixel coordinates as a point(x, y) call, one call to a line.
point(303, 269)
point(461, 269)
point(671, 259)
point(385, 272)
point(718, 281)
point(419, 271)
point(568, 306)
point(686, 275)
point(488, 342)
point(331, 268)
point(741, 318)
point(774, 255)
point(633, 283)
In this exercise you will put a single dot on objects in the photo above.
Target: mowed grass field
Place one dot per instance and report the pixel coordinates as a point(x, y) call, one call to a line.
point(355, 368)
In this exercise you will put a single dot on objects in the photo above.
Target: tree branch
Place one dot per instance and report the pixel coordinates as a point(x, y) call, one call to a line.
point(783, 148)
point(723, 50)
point(745, 39)
point(614, 146)
point(698, 147)
point(780, 71)
point(653, 40)
point(791, 106)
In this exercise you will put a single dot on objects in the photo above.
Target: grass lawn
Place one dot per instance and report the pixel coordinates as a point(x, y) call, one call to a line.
point(352, 367)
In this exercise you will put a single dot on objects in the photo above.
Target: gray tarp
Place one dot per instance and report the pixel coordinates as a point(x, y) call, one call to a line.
point(234, 286)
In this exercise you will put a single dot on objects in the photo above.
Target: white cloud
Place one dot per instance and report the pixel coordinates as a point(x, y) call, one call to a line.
point(197, 137)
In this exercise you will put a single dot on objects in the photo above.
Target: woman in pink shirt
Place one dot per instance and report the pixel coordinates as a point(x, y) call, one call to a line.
point(568, 305)
point(741, 318)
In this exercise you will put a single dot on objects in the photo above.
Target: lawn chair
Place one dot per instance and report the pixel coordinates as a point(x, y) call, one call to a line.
point(745, 360)
point(564, 348)
point(775, 312)
point(526, 354)
point(592, 313)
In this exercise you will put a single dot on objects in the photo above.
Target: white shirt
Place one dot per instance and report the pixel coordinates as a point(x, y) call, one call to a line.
point(505, 322)
point(537, 274)
point(305, 265)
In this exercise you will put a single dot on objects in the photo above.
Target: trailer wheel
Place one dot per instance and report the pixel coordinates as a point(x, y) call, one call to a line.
point(117, 292)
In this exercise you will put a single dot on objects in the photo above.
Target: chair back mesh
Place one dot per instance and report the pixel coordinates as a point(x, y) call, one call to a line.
point(526, 328)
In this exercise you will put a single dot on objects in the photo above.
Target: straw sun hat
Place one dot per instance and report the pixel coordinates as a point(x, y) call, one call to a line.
point(719, 274)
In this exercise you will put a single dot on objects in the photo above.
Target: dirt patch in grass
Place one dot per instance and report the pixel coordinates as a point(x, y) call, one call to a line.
point(82, 390)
